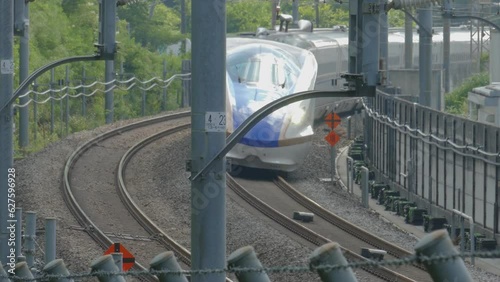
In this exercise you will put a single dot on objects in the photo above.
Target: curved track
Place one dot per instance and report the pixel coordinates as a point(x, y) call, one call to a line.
point(182, 253)
point(71, 194)
point(76, 188)
point(316, 236)
point(351, 229)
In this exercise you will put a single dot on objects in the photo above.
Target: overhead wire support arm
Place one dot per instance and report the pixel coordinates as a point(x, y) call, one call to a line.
point(43, 69)
point(403, 4)
point(245, 127)
point(106, 49)
point(448, 12)
point(476, 18)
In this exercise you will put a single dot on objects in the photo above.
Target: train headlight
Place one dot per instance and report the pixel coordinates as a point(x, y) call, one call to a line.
point(298, 115)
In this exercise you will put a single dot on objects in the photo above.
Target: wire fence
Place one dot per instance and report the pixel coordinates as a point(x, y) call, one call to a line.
point(435, 251)
point(145, 85)
point(436, 260)
point(56, 107)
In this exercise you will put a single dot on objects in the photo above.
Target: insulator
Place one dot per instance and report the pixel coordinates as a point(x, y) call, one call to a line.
point(405, 4)
point(305, 25)
point(286, 18)
point(261, 31)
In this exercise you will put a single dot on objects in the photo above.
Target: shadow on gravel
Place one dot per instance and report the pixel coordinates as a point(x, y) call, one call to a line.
point(253, 173)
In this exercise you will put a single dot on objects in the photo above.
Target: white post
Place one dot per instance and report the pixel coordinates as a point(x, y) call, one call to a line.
point(471, 222)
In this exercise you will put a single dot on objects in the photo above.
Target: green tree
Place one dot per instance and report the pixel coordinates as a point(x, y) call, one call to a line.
point(176, 6)
point(152, 25)
point(328, 15)
point(60, 29)
point(456, 101)
point(247, 15)
point(396, 18)
point(73, 6)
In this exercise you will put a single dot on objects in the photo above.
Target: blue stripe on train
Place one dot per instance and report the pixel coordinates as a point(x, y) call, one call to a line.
point(248, 100)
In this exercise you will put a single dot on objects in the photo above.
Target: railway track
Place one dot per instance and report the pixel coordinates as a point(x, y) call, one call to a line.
point(314, 237)
point(140, 217)
point(104, 241)
point(75, 196)
point(353, 230)
point(182, 253)
point(365, 236)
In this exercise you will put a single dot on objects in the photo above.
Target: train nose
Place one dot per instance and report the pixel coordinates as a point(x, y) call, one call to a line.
point(266, 133)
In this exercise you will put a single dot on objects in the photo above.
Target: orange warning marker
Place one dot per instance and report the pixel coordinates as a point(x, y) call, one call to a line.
point(332, 120)
point(332, 138)
point(128, 258)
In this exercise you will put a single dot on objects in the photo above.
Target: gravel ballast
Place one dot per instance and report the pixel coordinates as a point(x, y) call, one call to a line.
point(164, 195)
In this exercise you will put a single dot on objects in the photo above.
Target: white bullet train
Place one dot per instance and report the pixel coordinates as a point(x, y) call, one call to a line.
point(260, 71)
point(268, 65)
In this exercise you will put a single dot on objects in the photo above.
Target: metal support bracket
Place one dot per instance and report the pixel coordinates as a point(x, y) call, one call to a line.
point(356, 82)
point(372, 8)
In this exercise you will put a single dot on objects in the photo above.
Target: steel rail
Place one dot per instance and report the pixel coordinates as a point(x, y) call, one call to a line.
point(183, 254)
point(308, 234)
point(343, 224)
point(94, 232)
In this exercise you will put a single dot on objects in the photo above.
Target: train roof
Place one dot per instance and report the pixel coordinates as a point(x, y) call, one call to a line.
point(234, 44)
point(327, 37)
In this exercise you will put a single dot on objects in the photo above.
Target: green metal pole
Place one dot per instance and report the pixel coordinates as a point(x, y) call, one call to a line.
point(246, 258)
point(52, 78)
point(166, 262)
point(6, 119)
point(35, 111)
point(330, 254)
point(438, 243)
point(21, 26)
point(208, 197)
point(66, 100)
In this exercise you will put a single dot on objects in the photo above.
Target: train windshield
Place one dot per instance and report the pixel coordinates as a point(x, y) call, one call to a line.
point(264, 68)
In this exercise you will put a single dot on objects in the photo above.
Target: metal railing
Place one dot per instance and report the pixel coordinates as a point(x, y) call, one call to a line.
point(454, 161)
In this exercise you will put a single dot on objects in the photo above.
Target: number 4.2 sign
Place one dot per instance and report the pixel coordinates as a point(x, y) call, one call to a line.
point(7, 66)
point(215, 122)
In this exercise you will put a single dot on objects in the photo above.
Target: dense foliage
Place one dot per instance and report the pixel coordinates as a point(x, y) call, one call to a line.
point(331, 13)
point(60, 29)
point(456, 101)
point(153, 25)
point(64, 28)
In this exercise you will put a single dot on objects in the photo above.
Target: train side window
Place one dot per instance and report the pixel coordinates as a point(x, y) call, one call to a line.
point(233, 72)
point(252, 71)
point(247, 71)
point(281, 74)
